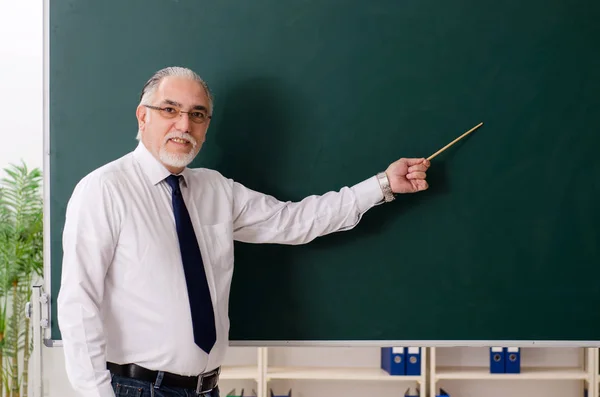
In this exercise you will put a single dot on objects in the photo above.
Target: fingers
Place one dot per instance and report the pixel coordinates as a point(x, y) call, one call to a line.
point(417, 171)
point(411, 170)
point(421, 184)
point(419, 167)
point(416, 175)
point(416, 161)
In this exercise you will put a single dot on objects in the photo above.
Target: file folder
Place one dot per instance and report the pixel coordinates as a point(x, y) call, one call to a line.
point(497, 360)
point(413, 361)
point(513, 360)
point(283, 395)
point(408, 393)
point(442, 393)
point(393, 360)
point(232, 394)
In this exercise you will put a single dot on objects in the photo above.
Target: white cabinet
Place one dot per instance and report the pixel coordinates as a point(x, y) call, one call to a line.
point(258, 368)
point(347, 364)
point(545, 364)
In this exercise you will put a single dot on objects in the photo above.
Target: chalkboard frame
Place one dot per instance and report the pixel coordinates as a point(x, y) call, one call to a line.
point(48, 271)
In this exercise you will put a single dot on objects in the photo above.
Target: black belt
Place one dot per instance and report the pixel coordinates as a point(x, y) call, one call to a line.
point(202, 383)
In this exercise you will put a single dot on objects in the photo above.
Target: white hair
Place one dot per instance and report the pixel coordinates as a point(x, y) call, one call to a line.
point(151, 85)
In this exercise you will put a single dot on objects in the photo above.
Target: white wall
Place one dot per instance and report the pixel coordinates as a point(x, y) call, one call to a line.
point(21, 72)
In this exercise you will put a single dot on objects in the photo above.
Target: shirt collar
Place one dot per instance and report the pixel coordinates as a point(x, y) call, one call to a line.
point(153, 168)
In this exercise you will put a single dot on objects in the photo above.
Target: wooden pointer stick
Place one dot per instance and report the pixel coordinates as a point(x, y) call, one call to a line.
point(454, 141)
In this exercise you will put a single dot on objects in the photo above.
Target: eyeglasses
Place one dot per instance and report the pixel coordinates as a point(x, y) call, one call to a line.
point(197, 116)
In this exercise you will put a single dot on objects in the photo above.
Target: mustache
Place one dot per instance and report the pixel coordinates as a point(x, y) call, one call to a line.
point(182, 135)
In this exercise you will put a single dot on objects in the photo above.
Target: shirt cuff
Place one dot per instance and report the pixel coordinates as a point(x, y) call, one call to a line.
point(368, 194)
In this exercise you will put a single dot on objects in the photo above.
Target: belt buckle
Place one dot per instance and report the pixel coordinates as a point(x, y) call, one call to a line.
point(201, 381)
point(199, 385)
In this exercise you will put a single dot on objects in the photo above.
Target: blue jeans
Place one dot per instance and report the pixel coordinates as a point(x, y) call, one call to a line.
point(128, 387)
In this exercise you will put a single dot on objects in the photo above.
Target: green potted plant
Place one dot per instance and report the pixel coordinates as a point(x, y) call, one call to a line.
point(21, 260)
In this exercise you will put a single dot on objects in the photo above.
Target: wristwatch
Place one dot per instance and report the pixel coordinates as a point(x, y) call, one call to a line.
point(384, 183)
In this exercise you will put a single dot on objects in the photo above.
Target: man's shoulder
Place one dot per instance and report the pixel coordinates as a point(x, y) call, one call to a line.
point(108, 173)
point(207, 175)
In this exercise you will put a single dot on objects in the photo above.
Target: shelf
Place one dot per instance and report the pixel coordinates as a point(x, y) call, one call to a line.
point(346, 373)
point(537, 373)
point(239, 372)
point(585, 370)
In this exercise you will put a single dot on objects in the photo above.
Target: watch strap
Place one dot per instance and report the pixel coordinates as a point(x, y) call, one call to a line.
point(384, 183)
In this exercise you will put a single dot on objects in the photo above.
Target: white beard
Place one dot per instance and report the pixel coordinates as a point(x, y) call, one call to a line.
point(178, 160)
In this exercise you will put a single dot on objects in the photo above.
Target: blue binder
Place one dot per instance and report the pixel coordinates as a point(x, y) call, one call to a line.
point(442, 393)
point(497, 360)
point(413, 361)
point(513, 360)
point(393, 360)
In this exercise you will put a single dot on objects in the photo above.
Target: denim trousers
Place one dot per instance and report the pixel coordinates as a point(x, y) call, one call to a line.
point(128, 387)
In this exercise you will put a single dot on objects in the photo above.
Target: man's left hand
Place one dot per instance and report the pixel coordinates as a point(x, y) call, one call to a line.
point(408, 175)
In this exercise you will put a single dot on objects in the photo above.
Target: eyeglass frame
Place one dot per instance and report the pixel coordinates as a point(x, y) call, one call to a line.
point(208, 116)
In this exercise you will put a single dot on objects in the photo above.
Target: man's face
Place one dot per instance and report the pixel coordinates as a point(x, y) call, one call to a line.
point(173, 138)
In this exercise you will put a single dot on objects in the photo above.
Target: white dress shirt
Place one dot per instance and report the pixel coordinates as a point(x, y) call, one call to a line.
point(123, 295)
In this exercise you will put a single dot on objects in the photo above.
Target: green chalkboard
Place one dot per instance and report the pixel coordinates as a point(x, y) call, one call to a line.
point(312, 95)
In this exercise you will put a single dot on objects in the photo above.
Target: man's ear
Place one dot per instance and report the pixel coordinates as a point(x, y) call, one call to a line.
point(141, 114)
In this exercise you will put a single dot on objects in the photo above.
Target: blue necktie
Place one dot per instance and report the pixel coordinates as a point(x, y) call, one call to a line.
point(203, 317)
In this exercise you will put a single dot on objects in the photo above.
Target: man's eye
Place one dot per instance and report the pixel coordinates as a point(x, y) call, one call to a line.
point(169, 110)
point(199, 115)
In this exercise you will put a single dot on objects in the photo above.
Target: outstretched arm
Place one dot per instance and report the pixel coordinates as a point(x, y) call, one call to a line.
point(260, 218)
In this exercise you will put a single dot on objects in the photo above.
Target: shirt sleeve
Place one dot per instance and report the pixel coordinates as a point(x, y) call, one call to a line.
point(260, 218)
point(89, 241)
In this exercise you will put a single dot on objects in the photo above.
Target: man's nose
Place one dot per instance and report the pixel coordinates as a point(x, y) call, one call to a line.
point(183, 122)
